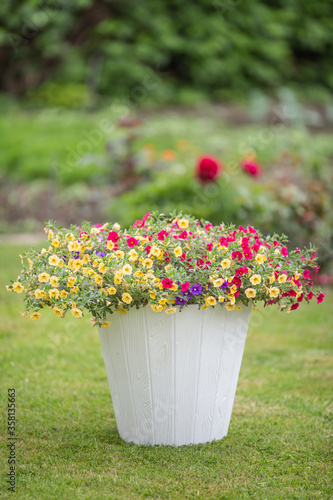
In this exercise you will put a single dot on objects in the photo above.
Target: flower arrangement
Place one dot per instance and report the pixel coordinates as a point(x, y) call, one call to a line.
point(166, 263)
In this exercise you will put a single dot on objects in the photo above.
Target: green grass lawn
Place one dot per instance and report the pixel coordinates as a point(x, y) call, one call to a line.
point(279, 443)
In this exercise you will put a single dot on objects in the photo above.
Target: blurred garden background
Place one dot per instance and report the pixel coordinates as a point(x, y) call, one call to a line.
point(222, 109)
point(108, 108)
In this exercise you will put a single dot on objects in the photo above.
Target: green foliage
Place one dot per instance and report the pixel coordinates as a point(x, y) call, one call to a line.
point(166, 51)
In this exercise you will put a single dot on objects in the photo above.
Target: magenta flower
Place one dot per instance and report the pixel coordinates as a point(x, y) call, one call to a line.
point(132, 242)
point(184, 286)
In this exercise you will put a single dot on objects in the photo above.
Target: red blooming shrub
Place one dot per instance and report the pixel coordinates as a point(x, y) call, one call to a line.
point(208, 168)
point(251, 167)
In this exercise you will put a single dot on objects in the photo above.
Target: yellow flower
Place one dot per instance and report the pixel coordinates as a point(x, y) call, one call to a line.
point(233, 289)
point(157, 308)
point(111, 290)
point(54, 281)
point(43, 277)
point(152, 295)
point(74, 290)
point(229, 307)
point(122, 311)
point(85, 259)
point(155, 251)
point(174, 287)
point(171, 310)
point(162, 302)
point(54, 260)
point(105, 324)
point(55, 243)
point(260, 258)
point(116, 226)
point(63, 294)
point(168, 267)
point(272, 279)
point(226, 263)
point(178, 251)
point(232, 299)
point(24, 315)
point(273, 291)
point(138, 274)
point(77, 313)
point(221, 298)
point(120, 254)
point(148, 263)
point(43, 251)
point(30, 262)
point(218, 283)
point(210, 301)
point(110, 245)
point(71, 281)
point(238, 308)
point(282, 278)
point(133, 255)
point(98, 279)
point(255, 279)
point(118, 278)
point(39, 294)
point(54, 293)
point(250, 293)
point(183, 223)
point(18, 287)
point(51, 234)
point(58, 312)
point(127, 269)
point(102, 268)
point(126, 298)
point(35, 315)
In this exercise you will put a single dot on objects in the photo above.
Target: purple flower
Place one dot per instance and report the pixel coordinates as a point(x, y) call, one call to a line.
point(195, 289)
point(101, 254)
point(186, 295)
point(180, 301)
point(224, 285)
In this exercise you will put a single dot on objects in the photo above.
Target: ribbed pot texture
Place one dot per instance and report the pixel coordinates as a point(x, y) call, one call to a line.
point(173, 377)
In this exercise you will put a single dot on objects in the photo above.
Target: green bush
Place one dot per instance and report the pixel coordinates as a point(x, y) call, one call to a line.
point(166, 51)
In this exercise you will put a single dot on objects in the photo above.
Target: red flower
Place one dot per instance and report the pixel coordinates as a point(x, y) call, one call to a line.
point(306, 274)
point(183, 235)
point(184, 286)
point(113, 236)
point(294, 306)
point(310, 295)
point(236, 255)
point(224, 242)
point(132, 242)
point(167, 283)
point(284, 251)
point(320, 297)
point(162, 235)
point(251, 168)
point(208, 168)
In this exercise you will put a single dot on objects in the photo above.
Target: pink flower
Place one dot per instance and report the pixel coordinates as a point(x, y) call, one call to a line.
point(310, 295)
point(113, 236)
point(167, 283)
point(284, 251)
point(208, 168)
point(145, 217)
point(208, 227)
point(210, 247)
point(184, 286)
point(247, 253)
point(320, 297)
point(251, 168)
point(224, 242)
point(306, 274)
point(132, 242)
point(183, 235)
point(162, 235)
point(236, 255)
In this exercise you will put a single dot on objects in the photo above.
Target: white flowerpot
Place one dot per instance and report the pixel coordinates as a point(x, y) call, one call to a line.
point(173, 377)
